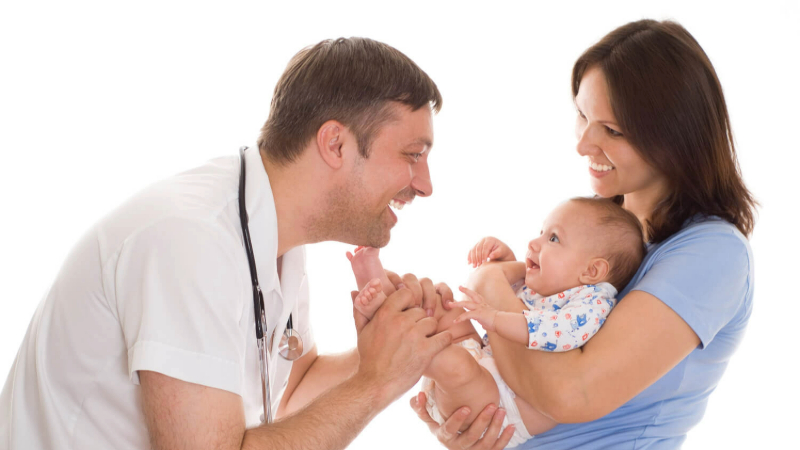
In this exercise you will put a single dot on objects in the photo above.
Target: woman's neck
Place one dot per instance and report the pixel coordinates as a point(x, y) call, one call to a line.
point(643, 202)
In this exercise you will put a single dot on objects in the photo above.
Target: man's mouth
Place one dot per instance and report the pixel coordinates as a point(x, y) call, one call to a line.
point(397, 204)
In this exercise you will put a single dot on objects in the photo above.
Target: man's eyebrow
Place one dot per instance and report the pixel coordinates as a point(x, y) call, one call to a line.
point(425, 142)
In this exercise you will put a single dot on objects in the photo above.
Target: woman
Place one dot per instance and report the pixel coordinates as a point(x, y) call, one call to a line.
point(653, 123)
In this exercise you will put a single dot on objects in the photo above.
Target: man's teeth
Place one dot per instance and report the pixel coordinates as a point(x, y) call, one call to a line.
point(396, 204)
point(600, 167)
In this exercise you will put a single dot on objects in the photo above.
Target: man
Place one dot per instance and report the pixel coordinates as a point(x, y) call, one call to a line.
point(147, 334)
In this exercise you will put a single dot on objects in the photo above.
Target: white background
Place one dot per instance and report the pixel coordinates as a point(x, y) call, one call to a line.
point(97, 100)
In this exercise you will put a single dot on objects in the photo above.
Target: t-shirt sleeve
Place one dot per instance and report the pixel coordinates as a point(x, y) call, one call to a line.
point(179, 300)
point(703, 276)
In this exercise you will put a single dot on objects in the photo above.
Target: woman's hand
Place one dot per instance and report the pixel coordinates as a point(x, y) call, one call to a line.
point(489, 420)
point(489, 248)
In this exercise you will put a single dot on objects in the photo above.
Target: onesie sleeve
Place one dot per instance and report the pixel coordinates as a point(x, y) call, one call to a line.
point(180, 304)
point(704, 275)
point(573, 324)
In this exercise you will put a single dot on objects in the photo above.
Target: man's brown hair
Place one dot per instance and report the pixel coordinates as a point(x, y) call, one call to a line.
point(351, 80)
point(621, 236)
point(668, 101)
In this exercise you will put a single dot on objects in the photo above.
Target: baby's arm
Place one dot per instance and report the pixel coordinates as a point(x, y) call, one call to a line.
point(510, 325)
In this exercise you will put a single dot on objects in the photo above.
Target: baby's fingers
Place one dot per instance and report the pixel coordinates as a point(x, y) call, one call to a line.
point(474, 296)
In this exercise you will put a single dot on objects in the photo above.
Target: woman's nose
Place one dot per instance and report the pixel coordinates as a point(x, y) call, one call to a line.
point(587, 143)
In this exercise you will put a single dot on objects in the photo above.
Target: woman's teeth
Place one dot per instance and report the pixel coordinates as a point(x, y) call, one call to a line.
point(600, 167)
point(396, 204)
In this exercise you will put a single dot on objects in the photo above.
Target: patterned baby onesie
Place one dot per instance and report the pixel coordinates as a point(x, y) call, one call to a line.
point(568, 319)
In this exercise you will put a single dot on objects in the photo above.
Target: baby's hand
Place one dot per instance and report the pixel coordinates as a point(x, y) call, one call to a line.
point(489, 248)
point(477, 309)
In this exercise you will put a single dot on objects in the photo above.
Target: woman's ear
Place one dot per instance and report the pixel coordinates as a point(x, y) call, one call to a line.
point(330, 139)
point(595, 272)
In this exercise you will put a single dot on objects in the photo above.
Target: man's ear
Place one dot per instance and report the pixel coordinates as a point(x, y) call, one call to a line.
point(595, 272)
point(330, 140)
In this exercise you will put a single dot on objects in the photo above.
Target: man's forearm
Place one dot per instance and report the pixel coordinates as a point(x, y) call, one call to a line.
point(326, 372)
point(329, 422)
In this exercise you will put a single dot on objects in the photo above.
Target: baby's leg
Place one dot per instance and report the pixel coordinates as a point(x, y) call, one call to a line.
point(460, 381)
point(367, 266)
point(370, 298)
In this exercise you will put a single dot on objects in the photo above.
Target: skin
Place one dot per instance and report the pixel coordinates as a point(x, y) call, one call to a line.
point(589, 382)
point(329, 399)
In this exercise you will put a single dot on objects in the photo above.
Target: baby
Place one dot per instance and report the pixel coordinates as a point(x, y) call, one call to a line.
point(588, 250)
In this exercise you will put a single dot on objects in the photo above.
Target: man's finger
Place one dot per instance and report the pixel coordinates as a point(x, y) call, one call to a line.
point(449, 430)
point(427, 326)
point(447, 295)
point(440, 341)
point(418, 405)
point(469, 437)
point(410, 281)
point(429, 296)
point(490, 437)
point(394, 278)
point(399, 301)
point(505, 438)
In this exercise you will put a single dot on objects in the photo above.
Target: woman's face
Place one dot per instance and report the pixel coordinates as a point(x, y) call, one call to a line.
point(615, 167)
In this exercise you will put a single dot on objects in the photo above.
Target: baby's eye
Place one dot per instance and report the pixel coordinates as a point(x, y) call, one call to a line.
point(553, 238)
point(613, 132)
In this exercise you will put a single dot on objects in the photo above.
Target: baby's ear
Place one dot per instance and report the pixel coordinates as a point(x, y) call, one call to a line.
point(595, 272)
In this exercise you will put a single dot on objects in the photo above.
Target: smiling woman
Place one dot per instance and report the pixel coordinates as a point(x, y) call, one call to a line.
point(629, 386)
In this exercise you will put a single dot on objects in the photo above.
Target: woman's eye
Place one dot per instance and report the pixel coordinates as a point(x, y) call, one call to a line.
point(580, 114)
point(553, 238)
point(613, 132)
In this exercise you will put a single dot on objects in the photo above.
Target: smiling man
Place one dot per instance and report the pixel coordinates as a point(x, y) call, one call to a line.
point(147, 336)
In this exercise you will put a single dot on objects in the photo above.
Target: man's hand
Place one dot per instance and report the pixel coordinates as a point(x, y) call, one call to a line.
point(397, 345)
point(489, 248)
point(426, 294)
point(483, 434)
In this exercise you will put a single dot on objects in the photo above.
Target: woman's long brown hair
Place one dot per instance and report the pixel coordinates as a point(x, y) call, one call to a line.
point(668, 101)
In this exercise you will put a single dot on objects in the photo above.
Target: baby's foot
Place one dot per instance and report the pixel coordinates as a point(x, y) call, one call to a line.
point(366, 265)
point(370, 298)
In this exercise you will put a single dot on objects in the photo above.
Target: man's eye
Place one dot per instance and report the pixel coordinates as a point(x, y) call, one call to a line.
point(613, 132)
point(415, 156)
point(554, 238)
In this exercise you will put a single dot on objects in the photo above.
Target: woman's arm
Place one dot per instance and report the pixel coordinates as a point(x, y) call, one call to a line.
point(640, 342)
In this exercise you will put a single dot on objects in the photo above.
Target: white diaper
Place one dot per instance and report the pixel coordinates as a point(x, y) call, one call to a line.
point(484, 358)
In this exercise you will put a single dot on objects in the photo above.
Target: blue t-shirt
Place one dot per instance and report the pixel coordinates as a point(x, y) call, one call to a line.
point(705, 274)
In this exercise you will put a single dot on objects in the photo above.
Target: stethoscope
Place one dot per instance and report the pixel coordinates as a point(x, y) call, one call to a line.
point(291, 345)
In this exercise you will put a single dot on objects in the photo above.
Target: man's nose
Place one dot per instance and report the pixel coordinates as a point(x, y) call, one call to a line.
point(421, 179)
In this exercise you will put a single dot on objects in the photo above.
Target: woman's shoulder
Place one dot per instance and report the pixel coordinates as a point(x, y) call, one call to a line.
point(706, 252)
point(707, 234)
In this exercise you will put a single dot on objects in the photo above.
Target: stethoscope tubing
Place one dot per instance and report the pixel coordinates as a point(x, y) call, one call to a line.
point(258, 306)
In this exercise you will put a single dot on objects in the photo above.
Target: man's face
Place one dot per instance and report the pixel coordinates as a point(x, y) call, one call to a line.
point(395, 172)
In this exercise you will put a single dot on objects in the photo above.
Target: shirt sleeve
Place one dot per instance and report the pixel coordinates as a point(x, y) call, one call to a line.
point(704, 276)
point(570, 326)
point(179, 298)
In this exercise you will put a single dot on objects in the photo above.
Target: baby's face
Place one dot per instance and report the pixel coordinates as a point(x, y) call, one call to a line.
point(557, 258)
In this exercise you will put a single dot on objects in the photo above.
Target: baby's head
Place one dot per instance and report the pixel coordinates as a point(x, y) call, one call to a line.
point(585, 241)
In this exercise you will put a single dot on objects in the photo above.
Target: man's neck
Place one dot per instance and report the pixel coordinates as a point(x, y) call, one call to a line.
point(296, 194)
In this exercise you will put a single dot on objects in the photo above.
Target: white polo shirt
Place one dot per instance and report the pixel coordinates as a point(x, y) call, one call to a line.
point(160, 284)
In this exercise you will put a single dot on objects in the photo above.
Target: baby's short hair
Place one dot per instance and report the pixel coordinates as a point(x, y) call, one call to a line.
point(623, 239)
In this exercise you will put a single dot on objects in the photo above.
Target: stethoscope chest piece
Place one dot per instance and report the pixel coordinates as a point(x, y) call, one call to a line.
point(291, 345)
